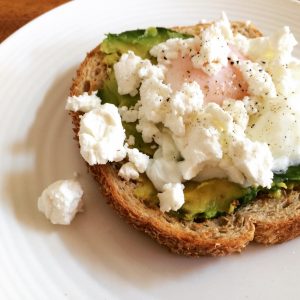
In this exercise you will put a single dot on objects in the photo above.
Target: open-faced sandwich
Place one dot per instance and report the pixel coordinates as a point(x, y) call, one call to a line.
point(193, 133)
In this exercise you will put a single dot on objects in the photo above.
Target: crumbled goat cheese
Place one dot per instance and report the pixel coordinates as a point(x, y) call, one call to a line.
point(164, 167)
point(225, 27)
point(148, 70)
point(260, 82)
point(184, 102)
point(252, 105)
point(128, 115)
point(139, 159)
point(237, 111)
point(213, 52)
point(126, 72)
point(154, 94)
point(280, 44)
point(60, 201)
point(253, 160)
point(131, 69)
point(241, 43)
point(208, 52)
point(172, 197)
point(101, 135)
point(196, 154)
point(84, 102)
point(170, 49)
point(128, 171)
point(148, 129)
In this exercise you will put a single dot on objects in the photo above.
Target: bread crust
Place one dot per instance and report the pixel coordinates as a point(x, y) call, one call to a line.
point(266, 221)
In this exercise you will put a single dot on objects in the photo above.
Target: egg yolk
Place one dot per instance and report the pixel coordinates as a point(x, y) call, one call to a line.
point(227, 83)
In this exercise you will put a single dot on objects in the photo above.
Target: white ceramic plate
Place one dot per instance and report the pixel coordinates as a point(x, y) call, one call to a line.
point(100, 256)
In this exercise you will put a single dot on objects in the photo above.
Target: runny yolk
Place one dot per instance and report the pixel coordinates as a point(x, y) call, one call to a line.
point(227, 83)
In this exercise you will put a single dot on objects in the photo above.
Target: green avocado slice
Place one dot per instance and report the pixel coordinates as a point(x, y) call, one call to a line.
point(139, 41)
point(211, 197)
point(202, 200)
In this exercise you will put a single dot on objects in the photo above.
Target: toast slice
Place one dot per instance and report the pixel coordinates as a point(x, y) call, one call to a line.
point(265, 220)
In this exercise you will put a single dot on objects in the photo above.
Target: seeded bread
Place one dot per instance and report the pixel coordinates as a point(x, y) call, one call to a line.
point(266, 220)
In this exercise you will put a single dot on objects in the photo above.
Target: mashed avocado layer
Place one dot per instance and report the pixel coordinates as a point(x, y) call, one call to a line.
point(203, 200)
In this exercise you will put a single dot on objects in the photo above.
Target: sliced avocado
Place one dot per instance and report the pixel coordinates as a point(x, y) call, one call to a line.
point(139, 41)
point(146, 191)
point(206, 199)
point(211, 197)
point(109, 93)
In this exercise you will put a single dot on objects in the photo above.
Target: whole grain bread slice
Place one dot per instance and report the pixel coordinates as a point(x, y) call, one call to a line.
point(266, 220)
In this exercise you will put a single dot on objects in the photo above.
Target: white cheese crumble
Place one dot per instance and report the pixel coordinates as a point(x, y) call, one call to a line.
point(84, 102)
point(129, 171)
point(283, 75)
point(260, 82)
point(61, 200)
point(196, 154)
point(128, 115)
point(148, 129)
point(101, 135)
point(148, 70)
point(252, 159)
point(131, 69)
point(252, 105)
point(187, 100)
point(208, 52)
point(241, 43)
point(172, 197)
point(126, 72)
point(213, 52)
point(164, 167)
point(139, 159)
point(154, 94)
point(170, 49)
point(225, 27)
point(237, 111)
